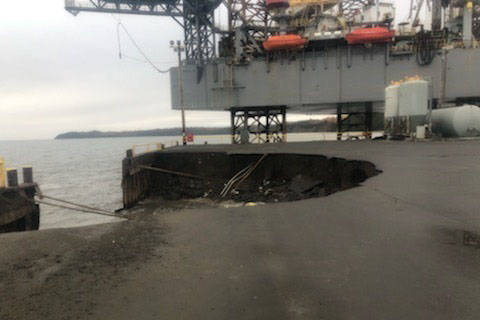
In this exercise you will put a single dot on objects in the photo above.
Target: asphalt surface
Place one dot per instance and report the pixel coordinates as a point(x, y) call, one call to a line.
point(403, 245)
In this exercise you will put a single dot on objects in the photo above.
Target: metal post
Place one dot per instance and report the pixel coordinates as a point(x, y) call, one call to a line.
point(245, 134)
point(267, 124)
point(443, 94)
point(179, 48)
point(436, 15)
point(468, 24)
point(339, 122)
point(230, 16)
point(368, 120)
point(232, 122)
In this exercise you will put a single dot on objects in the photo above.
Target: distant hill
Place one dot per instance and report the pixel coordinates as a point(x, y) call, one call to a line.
point(140, 133)
point(326, 125)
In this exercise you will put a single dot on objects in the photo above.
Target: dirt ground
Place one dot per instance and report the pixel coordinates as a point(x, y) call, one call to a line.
point(56, 274)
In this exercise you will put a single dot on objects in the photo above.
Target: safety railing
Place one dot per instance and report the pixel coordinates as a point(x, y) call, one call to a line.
point(150, 7)
point(139, 149)
point(147, 148)
point(143, 148)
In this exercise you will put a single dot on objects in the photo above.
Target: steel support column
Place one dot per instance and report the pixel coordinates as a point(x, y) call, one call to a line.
point(358, 118)
point(339, 122)
point(258, 124)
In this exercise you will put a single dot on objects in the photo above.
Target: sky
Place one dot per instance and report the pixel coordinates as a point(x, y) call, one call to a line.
point(62, 73)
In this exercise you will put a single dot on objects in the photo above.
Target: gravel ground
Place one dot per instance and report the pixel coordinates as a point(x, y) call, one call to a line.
point(57, 274)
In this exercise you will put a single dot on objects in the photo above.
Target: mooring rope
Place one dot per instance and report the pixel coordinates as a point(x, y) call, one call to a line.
point(176, 173)
point(75, 204)
point(78, 209)
point(81, 207)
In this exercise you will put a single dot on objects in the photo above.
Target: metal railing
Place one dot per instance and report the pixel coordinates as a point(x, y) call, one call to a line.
point(157, 8)
point(147, 148)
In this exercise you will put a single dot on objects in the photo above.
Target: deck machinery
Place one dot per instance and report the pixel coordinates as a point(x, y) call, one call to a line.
point(312, 56)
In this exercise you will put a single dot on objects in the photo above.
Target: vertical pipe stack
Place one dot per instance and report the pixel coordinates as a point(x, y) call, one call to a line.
point(468, 24)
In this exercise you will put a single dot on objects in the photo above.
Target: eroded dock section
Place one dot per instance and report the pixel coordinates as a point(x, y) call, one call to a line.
point(18, 210)
point(276, 177)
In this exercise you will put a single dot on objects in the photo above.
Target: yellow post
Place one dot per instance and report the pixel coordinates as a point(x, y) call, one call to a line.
point(2, 173)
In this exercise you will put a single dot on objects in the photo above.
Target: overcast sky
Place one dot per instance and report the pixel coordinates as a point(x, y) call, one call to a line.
point(62, 73)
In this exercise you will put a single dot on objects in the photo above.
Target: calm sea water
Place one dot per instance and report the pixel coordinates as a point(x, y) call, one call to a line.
point(88, 171)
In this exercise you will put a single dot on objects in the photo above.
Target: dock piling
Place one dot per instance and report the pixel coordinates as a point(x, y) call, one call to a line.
point(18, 209)
point(28, 174)
point(12, 177)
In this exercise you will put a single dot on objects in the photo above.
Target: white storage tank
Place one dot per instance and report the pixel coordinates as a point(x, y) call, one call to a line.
point(392, 120)
point(461, 121)
point(414, 98)
point(407, 106)
point(391, 101)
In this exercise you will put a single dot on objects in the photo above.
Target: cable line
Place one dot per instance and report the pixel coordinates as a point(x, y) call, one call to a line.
point(139, 49)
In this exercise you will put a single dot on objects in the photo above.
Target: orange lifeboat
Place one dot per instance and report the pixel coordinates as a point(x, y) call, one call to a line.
point(370, 35)
point(276, 4)
point(284, 42)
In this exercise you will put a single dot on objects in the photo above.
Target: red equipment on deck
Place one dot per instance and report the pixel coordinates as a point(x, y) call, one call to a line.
point(284, 42)
point(370, 35)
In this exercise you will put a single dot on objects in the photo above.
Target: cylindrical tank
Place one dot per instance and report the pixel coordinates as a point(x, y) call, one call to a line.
point(413, 98)
point(391, 101)
point(461, 121)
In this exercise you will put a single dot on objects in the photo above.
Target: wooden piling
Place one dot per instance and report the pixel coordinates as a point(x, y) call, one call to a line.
point(135, 180)
point(28, 175)
point(18, 209)
point(12, 177)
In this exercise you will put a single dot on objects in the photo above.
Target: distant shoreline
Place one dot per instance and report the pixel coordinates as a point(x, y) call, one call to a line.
point(326, 125)
point(308, 126)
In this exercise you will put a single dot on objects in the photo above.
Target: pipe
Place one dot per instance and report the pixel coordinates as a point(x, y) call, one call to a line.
point(468, 24)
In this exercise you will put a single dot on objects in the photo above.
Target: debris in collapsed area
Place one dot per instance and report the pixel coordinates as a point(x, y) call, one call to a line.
point(245, 178)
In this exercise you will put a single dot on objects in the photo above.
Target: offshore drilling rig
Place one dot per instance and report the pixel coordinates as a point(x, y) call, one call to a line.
point(323, 56)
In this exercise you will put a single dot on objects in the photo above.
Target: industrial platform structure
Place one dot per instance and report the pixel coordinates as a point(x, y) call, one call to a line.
point(325, 56)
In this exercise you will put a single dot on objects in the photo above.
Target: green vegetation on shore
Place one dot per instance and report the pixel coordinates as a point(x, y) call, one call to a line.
point(301, 126)
point(325, 125)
